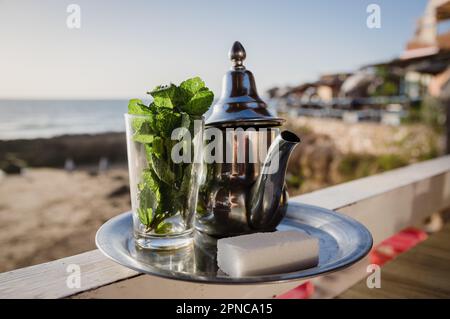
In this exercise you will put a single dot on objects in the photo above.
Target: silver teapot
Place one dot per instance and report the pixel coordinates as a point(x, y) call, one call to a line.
point(245, 192)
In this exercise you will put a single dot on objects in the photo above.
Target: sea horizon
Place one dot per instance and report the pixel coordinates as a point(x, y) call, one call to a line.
point(47, 118)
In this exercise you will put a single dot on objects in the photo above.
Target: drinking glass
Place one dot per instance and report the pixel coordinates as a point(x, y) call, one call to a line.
point(165, 175)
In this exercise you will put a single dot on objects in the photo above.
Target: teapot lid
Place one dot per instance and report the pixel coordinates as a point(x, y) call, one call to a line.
point(240, 104)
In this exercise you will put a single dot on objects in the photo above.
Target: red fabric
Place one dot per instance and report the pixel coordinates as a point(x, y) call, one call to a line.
point(304, 291)
point(397, 244)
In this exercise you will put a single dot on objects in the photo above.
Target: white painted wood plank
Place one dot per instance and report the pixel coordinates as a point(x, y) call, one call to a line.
point(49, 280)
point(146, 286)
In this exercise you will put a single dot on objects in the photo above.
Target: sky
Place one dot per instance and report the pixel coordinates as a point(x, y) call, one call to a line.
point(124, 48)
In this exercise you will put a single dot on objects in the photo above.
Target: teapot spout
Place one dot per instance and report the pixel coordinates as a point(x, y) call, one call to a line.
point(268, 197)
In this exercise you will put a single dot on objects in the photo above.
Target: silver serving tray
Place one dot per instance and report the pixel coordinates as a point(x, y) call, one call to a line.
point(343, 241)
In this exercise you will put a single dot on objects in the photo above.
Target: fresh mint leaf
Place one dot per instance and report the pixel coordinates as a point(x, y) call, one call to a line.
point(150, 181)
point(144, 128)
point(145, 215)
point(136, 107)
point(162, 170)
point(189, 88)
point(143, 138)
point(199, 103)
point(165, 96)
point(157, 148)
point(143, 125)
point(166, 121)
point(149, 197)
point(192, 85)
point(170, 203)
point(163, 228)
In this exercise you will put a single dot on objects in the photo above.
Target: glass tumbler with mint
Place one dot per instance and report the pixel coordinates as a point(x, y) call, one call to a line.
point(164, 143)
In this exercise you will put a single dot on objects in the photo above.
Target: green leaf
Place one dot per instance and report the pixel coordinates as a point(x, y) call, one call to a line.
point(170, 203)
point(163, 228)
point(145, 215)
point(166, 121)
point(192, 85)
point(162, 170)
point(149, 197)
point(136, 107)
point(143, 138)
point(144, 125)
point(157, 148)
point(165, 96)
point(144, 128)
point(199, 103)
point(189, 88)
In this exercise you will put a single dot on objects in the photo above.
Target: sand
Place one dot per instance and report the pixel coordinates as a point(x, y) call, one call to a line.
point(50, 213)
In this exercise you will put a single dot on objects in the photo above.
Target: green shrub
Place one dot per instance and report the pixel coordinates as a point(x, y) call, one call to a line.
point(430, 112)
point(390, 161)
point(353, 166)
point(293, 181)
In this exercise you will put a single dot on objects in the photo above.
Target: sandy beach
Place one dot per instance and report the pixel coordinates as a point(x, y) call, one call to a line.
point(49, 213)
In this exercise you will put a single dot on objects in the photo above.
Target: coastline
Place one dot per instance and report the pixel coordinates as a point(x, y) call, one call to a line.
point(83, 149)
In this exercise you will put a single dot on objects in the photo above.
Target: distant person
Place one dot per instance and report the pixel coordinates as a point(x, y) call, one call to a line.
point(69, 165)
point(103, 165)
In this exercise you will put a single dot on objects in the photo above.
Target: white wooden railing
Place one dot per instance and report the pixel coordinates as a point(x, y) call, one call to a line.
point(385, 203)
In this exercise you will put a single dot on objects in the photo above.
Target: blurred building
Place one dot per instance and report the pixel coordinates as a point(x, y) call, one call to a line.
point(426, 58)
point(427, 38)
point(421, 70)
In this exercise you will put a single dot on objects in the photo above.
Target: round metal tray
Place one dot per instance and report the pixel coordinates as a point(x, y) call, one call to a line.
point(342, 240)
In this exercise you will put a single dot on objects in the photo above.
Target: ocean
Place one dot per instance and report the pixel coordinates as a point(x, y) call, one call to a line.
point(28, 119)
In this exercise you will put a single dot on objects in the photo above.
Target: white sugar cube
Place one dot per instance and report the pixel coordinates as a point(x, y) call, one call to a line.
point(267, 253)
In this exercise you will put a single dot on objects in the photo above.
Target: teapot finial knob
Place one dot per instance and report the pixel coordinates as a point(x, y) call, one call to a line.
point(237, 55)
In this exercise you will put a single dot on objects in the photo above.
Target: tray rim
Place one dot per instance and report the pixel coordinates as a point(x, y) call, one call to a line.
point(256, 280)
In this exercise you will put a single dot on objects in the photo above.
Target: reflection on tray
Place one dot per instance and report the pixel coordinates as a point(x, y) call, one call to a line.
point(199, 258)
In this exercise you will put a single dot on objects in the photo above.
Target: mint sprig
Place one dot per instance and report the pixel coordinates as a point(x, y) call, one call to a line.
point(163, 190)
